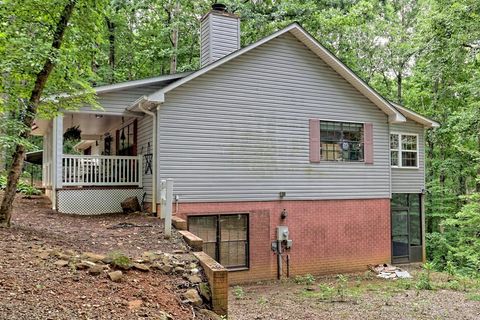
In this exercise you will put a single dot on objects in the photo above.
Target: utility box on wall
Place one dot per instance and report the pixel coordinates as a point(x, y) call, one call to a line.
point(282, 233)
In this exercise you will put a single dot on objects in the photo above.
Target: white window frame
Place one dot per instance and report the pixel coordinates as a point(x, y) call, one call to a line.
point(400, 150)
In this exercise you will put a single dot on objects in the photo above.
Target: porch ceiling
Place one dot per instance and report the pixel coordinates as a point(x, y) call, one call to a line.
point(89, 123)
point(92, 124)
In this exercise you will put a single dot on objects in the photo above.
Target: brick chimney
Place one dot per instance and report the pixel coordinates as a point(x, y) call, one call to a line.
point(219, 34)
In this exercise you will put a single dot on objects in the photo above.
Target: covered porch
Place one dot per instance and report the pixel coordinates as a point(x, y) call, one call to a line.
point(91, 161)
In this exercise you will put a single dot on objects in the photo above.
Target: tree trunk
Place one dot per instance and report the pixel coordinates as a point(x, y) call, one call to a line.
point(399, 87)
point(111, 49)
point(174, 39)
point(31, 111)
point(173, 61)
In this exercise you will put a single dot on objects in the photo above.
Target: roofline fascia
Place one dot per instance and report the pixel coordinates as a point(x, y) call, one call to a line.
point(120, 86)
point(417, 117)
point(137, 83)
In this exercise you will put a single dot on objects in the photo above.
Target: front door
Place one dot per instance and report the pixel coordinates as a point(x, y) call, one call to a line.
point(406, 228)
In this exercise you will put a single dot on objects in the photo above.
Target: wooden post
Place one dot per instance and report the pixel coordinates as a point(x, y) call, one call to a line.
point(168, 208)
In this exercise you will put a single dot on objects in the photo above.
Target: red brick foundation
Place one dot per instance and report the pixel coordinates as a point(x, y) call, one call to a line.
point(329, 236)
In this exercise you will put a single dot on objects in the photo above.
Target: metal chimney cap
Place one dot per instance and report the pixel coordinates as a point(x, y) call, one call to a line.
point(219, 7)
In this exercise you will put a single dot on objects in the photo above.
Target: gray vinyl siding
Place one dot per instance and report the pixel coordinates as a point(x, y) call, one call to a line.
point(406, 180)
point(205, 41)
point(220, 36)
point(241, 131)
point(144, 136)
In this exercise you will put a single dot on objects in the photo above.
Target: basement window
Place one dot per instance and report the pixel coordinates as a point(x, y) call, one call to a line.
point(341, 141)
point(225, 238)
point(404, 150)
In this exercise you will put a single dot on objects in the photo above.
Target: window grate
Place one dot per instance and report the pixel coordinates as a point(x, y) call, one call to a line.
point(225, 237)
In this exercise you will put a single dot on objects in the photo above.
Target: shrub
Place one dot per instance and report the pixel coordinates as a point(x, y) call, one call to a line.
point(307, 279)
point(342, 282)
point(22, 186)
point(424, 281)
point(238, 292)
point(119, 260)
point(326, 292)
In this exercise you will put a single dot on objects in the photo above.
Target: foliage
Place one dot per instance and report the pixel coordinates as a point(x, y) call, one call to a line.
point(120, 260)
point(424, 280)
point(22, 187)
point(73, 133)
point(307, 279)
point(263, 301)
point(342, 283)
point(238, 292)
point(474, 296)
point(464, 229)
point(326, 292)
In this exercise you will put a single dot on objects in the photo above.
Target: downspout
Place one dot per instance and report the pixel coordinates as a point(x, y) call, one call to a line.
point(154, 159)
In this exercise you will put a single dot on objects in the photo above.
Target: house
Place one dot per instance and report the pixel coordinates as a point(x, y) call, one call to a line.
point(275, 141)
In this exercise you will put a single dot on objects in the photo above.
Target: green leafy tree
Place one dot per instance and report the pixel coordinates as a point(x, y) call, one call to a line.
point(45, 48)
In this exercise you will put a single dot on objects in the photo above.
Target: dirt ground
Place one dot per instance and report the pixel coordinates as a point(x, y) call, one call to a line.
point(33, 287)
point(365, 297)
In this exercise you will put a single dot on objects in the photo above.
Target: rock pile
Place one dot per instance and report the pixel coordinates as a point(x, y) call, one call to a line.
point(193, 285)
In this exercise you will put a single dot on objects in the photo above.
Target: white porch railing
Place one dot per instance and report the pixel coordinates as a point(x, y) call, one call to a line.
point(101, 170)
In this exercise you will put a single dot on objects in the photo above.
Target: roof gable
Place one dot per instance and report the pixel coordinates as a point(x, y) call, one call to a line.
point(314, 46)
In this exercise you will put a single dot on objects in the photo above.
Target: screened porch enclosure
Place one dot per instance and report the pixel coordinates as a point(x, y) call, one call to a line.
point(407, 238)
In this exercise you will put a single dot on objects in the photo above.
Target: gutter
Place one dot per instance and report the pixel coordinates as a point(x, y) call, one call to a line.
point(154, 158)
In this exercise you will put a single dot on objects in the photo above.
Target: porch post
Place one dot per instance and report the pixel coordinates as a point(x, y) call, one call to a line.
point(57, 154)
point(140, 172)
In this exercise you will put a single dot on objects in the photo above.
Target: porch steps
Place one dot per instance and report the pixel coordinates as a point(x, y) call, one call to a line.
point(179, 223)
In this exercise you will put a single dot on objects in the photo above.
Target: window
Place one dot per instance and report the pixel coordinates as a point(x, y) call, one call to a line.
point(225, 237)
point(341, 141)
point(404, 150)
point(127, 140)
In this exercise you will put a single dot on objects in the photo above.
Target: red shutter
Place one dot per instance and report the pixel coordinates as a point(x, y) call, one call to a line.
point(314, 140)
point(368, 143)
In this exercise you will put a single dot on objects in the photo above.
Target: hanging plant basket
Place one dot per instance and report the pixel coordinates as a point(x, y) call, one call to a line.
point(73, 133)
